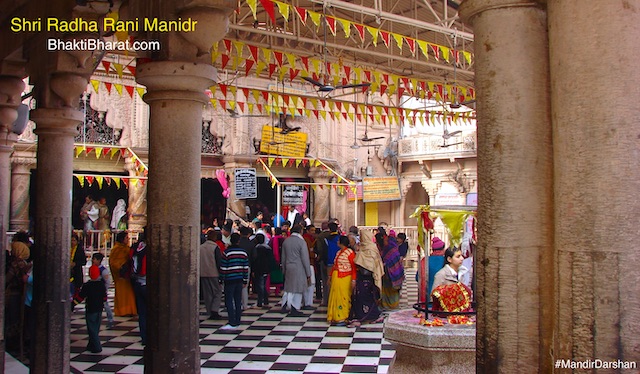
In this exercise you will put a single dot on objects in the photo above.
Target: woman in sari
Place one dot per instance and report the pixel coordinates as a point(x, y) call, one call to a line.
point(343, 281)
point(370, 268)
point(393, 271)
point(124, 300)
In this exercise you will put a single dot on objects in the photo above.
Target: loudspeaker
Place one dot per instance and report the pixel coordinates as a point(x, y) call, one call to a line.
point(23, 118)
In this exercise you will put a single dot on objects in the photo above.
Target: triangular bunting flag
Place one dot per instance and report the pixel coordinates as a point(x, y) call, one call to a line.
point(99, 180)
point(302, 13)
point(108, 85)
point(268, 7)
point(80, 180)
point(412, 45)
point(315, 17)
point(346, 26)
point(331, 22)
point(118, 87)
point(253, 6)
point(374, 34)
point(119, 69)
point(284, 10)
point(140, 91)
point(399, 40)
point(106, 65)
point(360, 29)
point(385, 38)
point(95, 84)
point(129, 90)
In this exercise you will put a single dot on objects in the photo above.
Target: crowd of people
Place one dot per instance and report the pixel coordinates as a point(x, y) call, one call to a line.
point(357, 274)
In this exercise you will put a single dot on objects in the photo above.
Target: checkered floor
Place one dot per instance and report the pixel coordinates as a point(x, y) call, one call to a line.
point(268, 342)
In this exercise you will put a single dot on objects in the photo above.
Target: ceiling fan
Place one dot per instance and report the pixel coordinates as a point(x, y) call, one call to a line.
point(234, 114)
point(326, 87)
point(365, 138)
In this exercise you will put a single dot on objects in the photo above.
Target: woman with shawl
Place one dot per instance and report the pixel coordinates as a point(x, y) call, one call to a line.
point(118, 218)
point(393, 269)
point(370, 269)
point(120, 266)
point(343, 281)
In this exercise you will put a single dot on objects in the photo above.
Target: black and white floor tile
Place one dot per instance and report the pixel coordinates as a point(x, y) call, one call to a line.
point(268, 341)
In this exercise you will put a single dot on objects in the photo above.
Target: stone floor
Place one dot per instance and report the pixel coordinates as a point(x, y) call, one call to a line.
point(268, 342)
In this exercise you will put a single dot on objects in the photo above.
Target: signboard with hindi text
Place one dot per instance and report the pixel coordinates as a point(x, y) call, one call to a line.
point(293, 144)
point(381, 189)
point(246, 185)
point(292, 195)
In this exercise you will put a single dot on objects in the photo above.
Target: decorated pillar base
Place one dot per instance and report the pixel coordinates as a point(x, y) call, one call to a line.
point(448, 349)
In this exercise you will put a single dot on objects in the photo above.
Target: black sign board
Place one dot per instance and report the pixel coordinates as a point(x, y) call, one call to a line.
point(246, 183)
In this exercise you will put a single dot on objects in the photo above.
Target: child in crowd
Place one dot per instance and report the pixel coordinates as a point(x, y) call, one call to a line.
point(94, 293)
point(96, 260)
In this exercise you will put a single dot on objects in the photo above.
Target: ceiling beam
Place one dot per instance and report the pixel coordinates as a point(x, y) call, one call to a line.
point(395, 18)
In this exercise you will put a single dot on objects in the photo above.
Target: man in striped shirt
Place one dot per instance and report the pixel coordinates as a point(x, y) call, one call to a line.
point(234, 272)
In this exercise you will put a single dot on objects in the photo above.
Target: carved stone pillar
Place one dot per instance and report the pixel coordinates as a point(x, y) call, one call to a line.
point(10, 89)
point(20, 184)
point(175, 94)
point(137, 204)
point(596, 146)
point(515, 210)
point(321, 201)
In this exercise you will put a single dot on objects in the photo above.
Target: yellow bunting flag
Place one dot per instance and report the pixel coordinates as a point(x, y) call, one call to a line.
point(253, 6)
point(118, 87)
point(284, 10)
point(315, 17)
point(98, 152)
point(399, 40)
point(270, 160)
point(298, 161)
point(285, 161)
point(117, 181)
point(119, 69)
point(80, 180)
point(346, 26)
point(140, 91)
point(374, 34)
point(95, 84)
point(99, 179)
point(79, 150)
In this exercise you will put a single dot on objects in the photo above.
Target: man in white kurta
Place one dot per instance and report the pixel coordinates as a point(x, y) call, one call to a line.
point(296, 268)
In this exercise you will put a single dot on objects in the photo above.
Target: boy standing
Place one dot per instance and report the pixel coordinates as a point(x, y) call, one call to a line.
point(96, 260)
point(94, 292)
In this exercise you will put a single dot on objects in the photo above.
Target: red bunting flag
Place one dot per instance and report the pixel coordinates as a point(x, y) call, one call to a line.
point(412, 45)
point(224, 62)
point(254, 52)
point(385, 38)
point(436, 50)
point(293, 73)
point(89, 179)
point(129, 90)
point(272, 68)
point(247, 66)
point(302, 13)
point(106, 65)
point(268, 7)
point(245, 92)
point(223, 89)
point(331, 22)
point(305, 62)
point(278, 56)
point(227, 45)
point(108, 85)
point(132, 70)
point(360, 29)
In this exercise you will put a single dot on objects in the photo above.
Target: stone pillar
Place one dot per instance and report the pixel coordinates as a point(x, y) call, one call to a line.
point(20, 184)
point(175, 94)
point(55, 128)
point(515, 285)
point(137, 204)
point(595, 120)
point(321, 199)
point(10, 89)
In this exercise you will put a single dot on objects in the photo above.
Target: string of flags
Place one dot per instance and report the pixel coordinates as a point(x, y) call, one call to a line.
point(428, 50)
point(99, 151)
point(340, 185)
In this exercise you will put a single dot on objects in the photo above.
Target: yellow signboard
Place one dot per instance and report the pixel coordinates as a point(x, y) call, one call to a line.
point(293, 144)
point(381, 189)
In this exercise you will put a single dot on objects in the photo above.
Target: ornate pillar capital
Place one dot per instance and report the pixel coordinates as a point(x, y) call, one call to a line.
point(471, 8)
